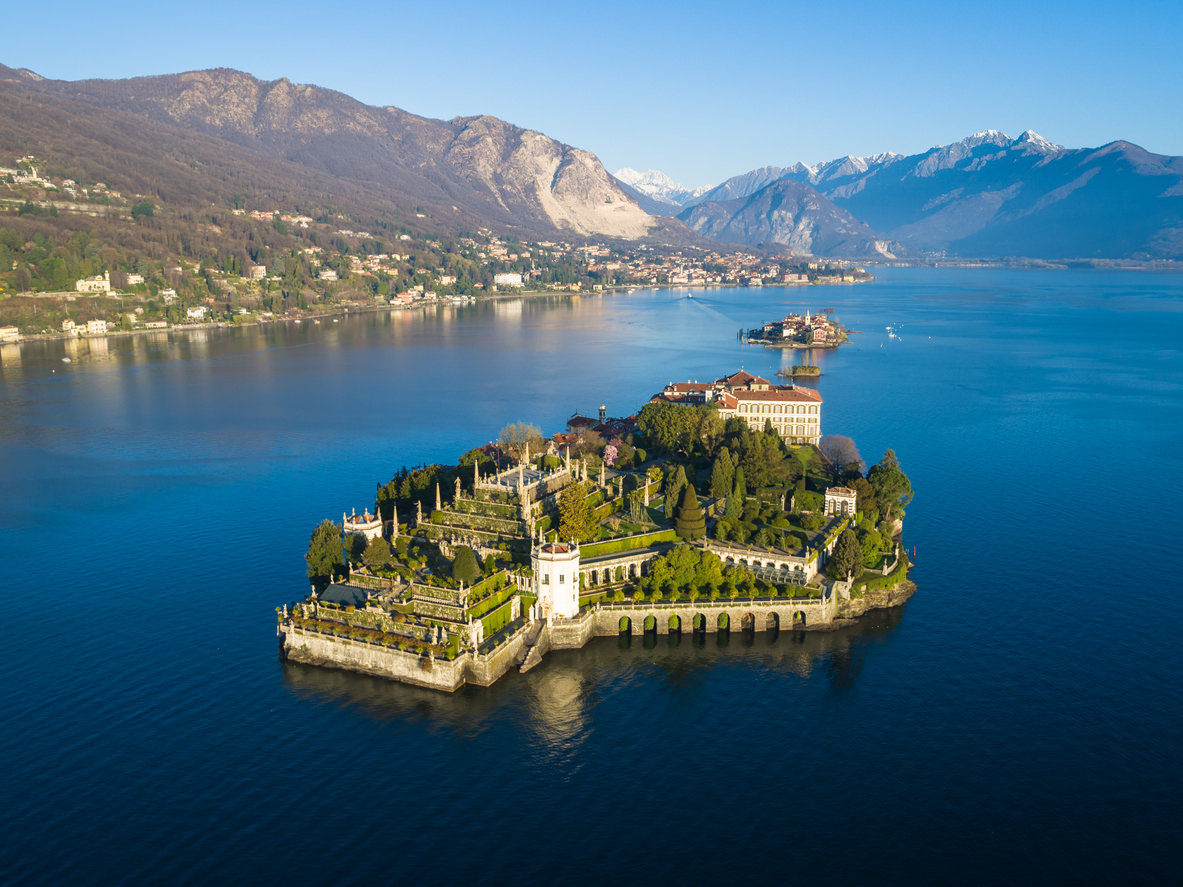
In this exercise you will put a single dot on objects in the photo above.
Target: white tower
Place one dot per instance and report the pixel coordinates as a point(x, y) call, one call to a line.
point(556, 578)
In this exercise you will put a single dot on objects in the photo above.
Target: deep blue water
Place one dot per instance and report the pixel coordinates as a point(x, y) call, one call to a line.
point(1018, 721)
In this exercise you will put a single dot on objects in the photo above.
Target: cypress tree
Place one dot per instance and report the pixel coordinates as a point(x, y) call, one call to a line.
point(674, 486)
point(722, 474)
point(465, 567)
point(690, 523)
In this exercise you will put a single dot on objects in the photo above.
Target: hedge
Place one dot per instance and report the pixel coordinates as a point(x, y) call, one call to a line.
point(498, 619)
point(628, 543)
point(896, 576)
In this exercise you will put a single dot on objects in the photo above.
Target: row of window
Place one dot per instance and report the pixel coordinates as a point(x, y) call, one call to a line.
point(779, 408)
point(546, 578)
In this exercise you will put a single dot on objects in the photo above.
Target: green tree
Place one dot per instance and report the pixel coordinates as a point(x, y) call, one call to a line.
point(142, 210)
point(675, 481)
point(722, 474)
point(679, 428)
point(355, 547)
point(464, 566)
point(710, 429)
point(377, 553)
point(577, 514)
point(892, 488)
point(846, 560)
point(690, 523)
point(325, 557)
point(739, 494)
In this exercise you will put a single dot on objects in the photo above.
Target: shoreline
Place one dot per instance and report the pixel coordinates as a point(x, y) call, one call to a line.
point(346, 310)
point(527, 647)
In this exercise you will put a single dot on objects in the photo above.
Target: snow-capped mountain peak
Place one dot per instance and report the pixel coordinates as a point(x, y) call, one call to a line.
point(656, 184)
point(1033, 139)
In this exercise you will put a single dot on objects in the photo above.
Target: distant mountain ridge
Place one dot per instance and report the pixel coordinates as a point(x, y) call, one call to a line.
point(478, 168)
point(789, 214)
point(204, 136)
point(989, 195)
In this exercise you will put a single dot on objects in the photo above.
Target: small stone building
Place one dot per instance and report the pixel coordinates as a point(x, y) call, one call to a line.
point(840, 500)
point(368, 525)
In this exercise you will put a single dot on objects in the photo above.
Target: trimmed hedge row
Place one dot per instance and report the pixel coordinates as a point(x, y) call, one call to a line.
point(628, 543)
point(498, 619)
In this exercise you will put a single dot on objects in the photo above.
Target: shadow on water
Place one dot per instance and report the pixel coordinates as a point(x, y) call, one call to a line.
point(558, 692)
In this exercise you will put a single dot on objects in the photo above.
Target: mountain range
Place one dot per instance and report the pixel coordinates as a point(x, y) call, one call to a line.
point(987, 195)
point(461, 172)
point(204, 136)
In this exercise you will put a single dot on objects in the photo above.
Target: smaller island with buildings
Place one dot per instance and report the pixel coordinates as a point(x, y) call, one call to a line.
point(808, 330)
point(719, 507)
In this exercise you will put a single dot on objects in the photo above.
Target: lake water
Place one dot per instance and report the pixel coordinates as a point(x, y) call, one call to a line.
point(1018, 720)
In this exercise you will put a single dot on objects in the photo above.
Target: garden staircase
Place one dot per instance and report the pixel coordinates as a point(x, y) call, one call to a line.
point(531, 649)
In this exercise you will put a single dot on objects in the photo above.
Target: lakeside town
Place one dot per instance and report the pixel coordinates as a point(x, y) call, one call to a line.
point(70, 265)
point(460, 573)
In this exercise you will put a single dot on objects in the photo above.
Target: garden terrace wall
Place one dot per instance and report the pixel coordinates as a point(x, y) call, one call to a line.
point(489, 509)
point(312, 648)
point(505, 526)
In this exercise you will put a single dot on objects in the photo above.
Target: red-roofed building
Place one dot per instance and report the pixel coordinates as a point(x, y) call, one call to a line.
point(794, 411)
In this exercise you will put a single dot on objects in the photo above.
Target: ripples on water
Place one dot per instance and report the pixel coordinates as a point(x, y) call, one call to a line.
point(1016, 721)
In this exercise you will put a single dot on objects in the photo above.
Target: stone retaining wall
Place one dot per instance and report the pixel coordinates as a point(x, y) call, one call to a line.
point(312, 648)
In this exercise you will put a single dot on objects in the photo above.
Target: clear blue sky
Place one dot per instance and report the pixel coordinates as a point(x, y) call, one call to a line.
point(701, 91)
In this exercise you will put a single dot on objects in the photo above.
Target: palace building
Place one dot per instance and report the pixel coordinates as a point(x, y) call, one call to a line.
point(794, 411)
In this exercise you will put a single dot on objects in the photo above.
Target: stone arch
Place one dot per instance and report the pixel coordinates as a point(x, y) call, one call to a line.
point(747, 622)
point(626, 625)
point(723, 623)
point(650, 623)
point(799, 619)
point(772, 622)
point(675, 623)
point(607, 576)
point(699, 622)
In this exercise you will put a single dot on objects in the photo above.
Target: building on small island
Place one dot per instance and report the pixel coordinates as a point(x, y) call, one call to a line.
point(793, 410)
point(806, 330)
point(496, 566)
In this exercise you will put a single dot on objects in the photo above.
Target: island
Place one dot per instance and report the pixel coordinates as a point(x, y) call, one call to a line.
point(800, 331)
point(460, 573)
point(800, 371)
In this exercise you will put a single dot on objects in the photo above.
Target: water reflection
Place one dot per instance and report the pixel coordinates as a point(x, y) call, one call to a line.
point(555, 700)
